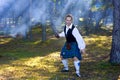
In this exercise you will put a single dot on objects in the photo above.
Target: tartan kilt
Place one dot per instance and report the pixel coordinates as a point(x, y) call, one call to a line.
point(73, 52)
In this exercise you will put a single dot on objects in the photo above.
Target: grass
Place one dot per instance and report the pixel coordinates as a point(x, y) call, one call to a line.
point(36, 60)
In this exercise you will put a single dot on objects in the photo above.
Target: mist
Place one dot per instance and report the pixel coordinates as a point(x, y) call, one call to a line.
point(19, 16)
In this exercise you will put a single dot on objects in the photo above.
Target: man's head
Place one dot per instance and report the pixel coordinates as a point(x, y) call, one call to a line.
point(68, 19)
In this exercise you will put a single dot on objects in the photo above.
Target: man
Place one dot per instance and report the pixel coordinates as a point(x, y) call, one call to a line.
point(73, 46)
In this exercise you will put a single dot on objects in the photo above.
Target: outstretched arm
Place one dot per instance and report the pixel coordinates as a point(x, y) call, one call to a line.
point(58, 35)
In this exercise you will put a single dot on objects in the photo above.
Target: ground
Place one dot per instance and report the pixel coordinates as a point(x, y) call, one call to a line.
point(24, 59)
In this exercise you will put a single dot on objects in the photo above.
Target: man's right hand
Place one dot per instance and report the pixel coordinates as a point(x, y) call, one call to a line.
point(57, 36)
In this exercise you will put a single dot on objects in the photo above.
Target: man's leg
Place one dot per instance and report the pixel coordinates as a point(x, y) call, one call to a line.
point(77, 66)
point(65, 63)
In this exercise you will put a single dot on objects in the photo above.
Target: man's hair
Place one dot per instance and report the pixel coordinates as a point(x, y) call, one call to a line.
point(69, 15)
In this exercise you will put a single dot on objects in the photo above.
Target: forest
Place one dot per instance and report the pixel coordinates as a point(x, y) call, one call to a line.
point(30, 51)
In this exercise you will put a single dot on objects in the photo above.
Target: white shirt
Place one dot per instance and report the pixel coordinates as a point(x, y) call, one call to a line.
point(77, 35)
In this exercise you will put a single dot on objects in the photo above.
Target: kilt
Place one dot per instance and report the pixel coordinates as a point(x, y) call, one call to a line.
point(72, 52)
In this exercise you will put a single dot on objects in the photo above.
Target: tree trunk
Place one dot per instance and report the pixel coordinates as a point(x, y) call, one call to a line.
point(115, 50)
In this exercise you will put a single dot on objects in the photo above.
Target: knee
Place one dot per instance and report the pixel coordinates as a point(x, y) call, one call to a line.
point(61, 57)
point(75, 59)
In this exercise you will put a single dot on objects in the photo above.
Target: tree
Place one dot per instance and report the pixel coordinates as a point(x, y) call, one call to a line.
point(115, 49)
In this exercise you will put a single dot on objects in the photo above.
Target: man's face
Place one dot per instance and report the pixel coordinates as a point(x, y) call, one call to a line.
point(68, 21)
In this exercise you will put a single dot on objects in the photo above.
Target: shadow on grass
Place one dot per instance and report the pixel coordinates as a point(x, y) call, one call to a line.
point(90, 70)
point(21, 49)
point(93, 66)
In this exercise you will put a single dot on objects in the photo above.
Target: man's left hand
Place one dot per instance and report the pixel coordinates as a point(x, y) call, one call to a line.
point(83, 51)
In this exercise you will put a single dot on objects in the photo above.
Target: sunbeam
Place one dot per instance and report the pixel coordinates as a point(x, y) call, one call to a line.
point(16, 17)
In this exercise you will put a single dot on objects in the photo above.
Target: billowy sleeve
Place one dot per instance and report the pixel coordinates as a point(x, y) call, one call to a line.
point(62, 34)
point(79, 39)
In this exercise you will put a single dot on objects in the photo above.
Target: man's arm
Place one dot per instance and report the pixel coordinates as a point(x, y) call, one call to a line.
point(58, 35)
point(79, 39)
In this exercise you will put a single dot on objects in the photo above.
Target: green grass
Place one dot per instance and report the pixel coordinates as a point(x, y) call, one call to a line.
point(36, 60)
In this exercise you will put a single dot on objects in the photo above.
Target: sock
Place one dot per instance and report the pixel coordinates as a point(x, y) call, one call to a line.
point(77, 66)
point(65, 63)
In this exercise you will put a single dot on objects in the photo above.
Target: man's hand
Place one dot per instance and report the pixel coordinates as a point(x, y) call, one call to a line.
point(83, 51)
point(57, 36)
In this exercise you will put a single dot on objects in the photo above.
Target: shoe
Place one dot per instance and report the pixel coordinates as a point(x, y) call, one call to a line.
point(64, 70)
point(78, 75)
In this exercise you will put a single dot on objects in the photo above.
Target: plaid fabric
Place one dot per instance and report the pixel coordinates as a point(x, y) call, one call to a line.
point(73, 52)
